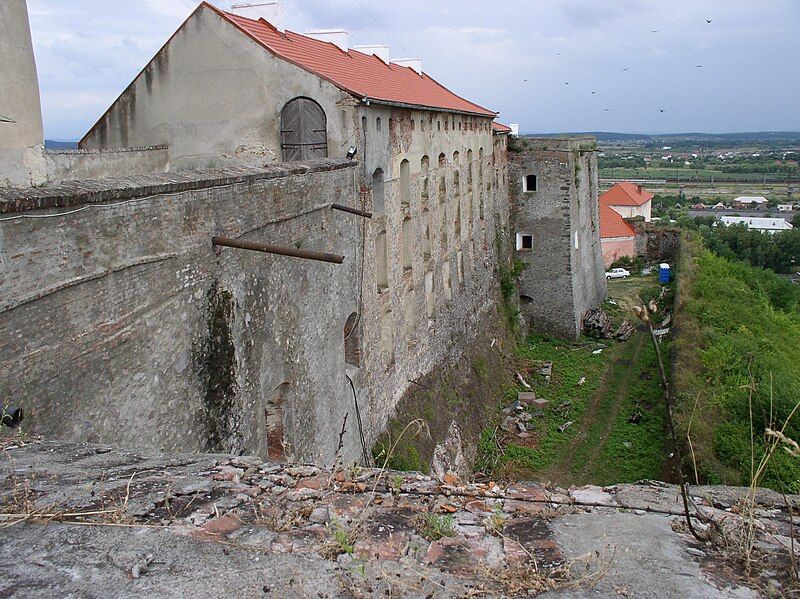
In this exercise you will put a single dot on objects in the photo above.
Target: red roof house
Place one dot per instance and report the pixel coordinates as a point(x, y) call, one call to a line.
point(629, 200)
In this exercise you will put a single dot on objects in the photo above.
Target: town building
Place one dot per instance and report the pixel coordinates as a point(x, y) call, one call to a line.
point(629, 200)
point(750, 202)
point(765, 225)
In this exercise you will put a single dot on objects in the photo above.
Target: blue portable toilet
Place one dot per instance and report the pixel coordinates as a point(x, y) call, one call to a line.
point(664, 273)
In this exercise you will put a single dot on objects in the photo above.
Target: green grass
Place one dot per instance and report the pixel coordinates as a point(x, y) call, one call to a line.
point(602, 445)
point(570, 363)
point(635, 451)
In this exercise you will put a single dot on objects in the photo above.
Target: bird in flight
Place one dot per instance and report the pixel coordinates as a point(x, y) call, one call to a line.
point(654, 31)
point(699, 66)
point(625, 69)
point(593, 93)
point(708, 20)
point(606, 109)
point(661, 110)
point(566, 83)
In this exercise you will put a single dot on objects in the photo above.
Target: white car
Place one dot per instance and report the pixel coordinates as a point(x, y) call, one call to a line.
point(617, 273)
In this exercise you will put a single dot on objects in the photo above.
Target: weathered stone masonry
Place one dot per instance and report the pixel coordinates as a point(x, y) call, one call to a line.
point(120, 322)
point(557, 226)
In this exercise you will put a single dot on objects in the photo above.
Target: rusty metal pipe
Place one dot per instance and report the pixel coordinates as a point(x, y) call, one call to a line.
point(276, 249)
point(356, 211)
point(11, 417)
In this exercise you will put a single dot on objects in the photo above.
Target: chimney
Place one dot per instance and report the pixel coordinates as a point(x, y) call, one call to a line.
point(639, 188)
point(338, 37)
point(379, 50)
point(514, 129)
point(414, 63)
point(271, 12)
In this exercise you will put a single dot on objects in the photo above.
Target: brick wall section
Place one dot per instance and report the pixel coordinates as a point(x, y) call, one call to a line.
point(560, 281)
point(120, 322)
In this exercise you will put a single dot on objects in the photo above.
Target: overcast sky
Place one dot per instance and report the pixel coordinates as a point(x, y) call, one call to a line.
point(513, 56)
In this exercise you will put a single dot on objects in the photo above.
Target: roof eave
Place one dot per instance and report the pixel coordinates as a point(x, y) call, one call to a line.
point(396, 104)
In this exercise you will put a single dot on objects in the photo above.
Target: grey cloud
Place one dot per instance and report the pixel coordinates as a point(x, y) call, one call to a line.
point(89, 50)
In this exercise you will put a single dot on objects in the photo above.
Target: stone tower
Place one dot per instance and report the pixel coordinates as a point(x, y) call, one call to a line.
point(21, 132)
point(553, 190)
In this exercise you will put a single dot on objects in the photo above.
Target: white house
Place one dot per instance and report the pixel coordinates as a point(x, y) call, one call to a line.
point(767, 225)
point(750, 201)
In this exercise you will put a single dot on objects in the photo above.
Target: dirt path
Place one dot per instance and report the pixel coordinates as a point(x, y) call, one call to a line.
point(608, 417)
point(577, 462)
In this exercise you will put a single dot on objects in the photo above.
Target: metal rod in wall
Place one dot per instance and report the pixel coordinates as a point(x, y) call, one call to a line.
point(363, 213)
point(276, 249)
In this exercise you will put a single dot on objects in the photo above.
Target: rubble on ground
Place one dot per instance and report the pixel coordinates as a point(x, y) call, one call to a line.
point(95, 521)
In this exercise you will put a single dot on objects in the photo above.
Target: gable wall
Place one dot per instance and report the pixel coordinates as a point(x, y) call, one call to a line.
point(214, 97)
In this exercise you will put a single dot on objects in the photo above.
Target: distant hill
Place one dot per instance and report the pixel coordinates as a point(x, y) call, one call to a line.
point(58, 144)
point(742, 137)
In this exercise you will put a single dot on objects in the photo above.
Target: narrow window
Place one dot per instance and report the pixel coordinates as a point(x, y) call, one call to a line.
point(448, 289)
point(457, 225)
point(410, 309)
point(425, 168)
point(438, 125)
point(352, 341)
point(430, 299)
point(387, 339)
point(529, 183)
point(469, 171)
point(378, 124)
point(381, 273)
point(426, 241)
point(273, 414)
point(524, 242)
point(407, 238)
point(405, 183)
point(378, 192)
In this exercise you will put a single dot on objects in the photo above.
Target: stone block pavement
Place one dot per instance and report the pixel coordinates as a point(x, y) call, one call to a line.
point(85, 520)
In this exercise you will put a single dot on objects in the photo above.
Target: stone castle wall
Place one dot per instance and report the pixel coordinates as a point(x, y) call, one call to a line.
point(120, 322)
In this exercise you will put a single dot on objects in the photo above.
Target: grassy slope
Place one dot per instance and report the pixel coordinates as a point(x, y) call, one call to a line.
point(730, 321)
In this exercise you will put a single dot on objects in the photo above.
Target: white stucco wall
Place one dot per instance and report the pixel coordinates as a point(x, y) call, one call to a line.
point(21, 142)
point(634, 211)
point(214, 96)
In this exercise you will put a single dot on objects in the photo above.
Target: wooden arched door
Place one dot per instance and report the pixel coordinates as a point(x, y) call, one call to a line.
point(303, 130)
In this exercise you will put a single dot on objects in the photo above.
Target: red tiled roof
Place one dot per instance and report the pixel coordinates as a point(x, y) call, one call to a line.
point(612, 224)
point(626, 194)
point(500, 127)
point(364, 75)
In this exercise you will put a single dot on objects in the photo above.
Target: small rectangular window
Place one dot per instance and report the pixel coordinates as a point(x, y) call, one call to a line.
point(530, 183)
point(524, 242)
